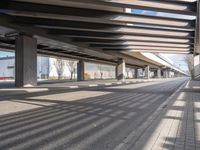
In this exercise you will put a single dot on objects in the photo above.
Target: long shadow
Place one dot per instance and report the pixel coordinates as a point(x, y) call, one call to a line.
point(56, 90)
point(94, 123)
point(187, 137)
point(181, 130)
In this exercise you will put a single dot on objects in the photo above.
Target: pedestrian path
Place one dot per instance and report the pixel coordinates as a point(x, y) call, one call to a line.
point(95, 118)
point(174, 126)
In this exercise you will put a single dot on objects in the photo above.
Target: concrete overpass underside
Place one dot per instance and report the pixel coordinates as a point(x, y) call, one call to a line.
point(100, 30)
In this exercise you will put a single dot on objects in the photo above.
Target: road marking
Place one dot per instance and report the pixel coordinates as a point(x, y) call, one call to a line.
point(92, 85)
point(73, 87)
point(108, 84)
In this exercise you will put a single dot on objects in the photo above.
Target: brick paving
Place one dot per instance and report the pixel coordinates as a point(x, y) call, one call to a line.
point(118, 117)
point(177, 127)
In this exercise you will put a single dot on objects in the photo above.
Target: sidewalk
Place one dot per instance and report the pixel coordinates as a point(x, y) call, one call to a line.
point(175, 126)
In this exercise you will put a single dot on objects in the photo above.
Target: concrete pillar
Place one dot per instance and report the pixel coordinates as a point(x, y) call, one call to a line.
point(166, 73)
point(80, 70)
point(121, 69)
point(26, 61)
point(147, 72)
point(136, 73)
point(197, 67)
point(158, 73)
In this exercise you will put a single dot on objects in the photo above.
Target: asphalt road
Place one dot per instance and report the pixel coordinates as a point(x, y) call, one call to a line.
point(91, 122)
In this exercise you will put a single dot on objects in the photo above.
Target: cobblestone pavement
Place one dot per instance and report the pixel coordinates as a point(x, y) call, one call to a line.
point(101, 118)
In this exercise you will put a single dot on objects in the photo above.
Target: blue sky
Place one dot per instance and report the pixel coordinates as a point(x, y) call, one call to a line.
point(5, 54)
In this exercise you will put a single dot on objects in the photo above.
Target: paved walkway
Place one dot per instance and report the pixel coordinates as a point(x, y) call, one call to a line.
point(176, 127)
point(140, 116)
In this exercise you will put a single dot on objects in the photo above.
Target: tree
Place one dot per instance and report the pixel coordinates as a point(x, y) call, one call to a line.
point(59, 64)
point(71, 64)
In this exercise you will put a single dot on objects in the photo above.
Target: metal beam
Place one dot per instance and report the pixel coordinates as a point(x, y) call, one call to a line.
point(135, 39)
point(122, 31)
point(131, 38)
point(114, 19)
point(144, 50)
point(7, 21)
point(152, 51)
point(96, 44)
point(147, 48)
point(118, 6)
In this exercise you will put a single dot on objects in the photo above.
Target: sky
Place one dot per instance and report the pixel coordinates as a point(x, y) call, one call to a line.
point(6, 54)
point(177, 60)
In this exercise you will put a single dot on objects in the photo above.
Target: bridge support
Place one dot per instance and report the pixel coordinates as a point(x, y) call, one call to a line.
point(158, 73)
point(197, 67)
point(26, 61)
point(147, 72)
point(166, 73)
point(121, 69)
point(136, 73)
point(80, 70)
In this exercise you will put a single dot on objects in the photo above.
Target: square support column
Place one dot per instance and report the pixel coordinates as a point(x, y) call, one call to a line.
point(197, 67)
point(136, 73)
point(80, 70)
point(26, 61)
point(166, 73)
point(147, 72)
point(158, 73)
point(121, 69)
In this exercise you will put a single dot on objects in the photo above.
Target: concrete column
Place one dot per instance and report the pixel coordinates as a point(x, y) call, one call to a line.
point(136, 73)
point(197, 67)
point(147, 72)
point(26, 61)
point(158, 73)
point(166, 74)
point(121, 69)
point(80, 70)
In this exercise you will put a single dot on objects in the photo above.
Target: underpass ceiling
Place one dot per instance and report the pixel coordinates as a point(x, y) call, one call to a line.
point(96, 29)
